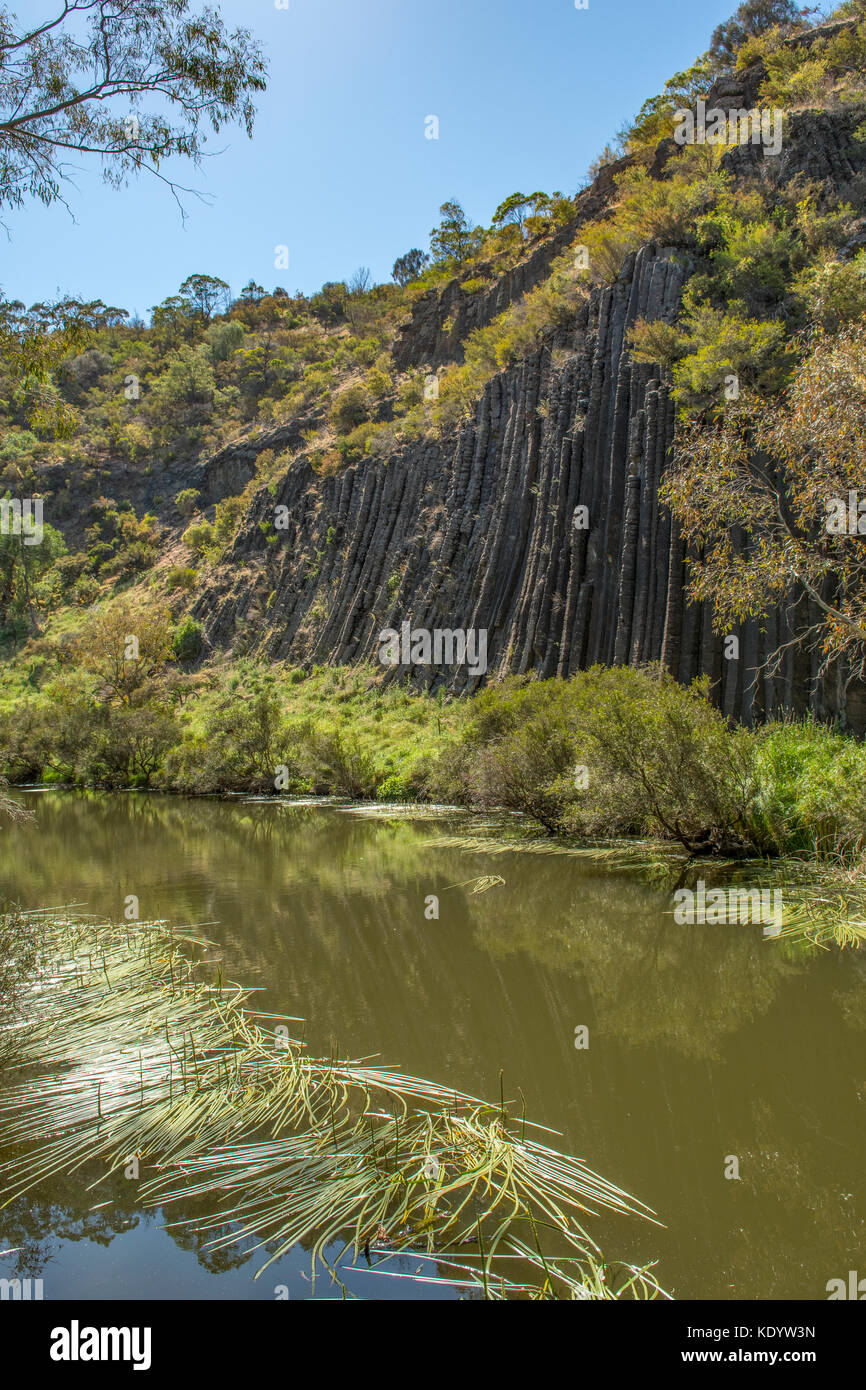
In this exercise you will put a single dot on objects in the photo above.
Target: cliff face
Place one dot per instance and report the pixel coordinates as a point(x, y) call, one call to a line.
point(486, 529)
point(481, 534)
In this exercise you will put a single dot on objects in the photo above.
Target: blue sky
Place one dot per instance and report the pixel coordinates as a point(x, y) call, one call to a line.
point(339, 170)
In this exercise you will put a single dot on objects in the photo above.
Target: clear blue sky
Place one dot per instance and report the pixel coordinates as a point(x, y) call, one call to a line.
point(527, 92)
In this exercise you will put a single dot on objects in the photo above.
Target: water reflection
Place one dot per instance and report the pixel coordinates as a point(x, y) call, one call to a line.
point(705, 1041)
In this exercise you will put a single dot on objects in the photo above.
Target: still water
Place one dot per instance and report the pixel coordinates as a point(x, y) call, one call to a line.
point(705, 1042)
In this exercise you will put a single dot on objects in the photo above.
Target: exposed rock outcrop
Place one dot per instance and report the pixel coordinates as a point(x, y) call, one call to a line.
point(480, 534)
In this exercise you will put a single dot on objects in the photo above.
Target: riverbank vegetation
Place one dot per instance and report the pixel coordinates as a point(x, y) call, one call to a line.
point(176, 1084)
point(606, 753)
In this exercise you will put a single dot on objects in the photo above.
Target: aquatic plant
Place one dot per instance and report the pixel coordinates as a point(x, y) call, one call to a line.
point(825, 903)
point(126, 1052)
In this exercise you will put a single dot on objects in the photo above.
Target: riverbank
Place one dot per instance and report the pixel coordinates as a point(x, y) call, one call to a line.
point(607, 753)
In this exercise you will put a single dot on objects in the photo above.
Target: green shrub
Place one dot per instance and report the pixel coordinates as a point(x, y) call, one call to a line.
point(187, 500)
point(187, 641)
point(199, 536)
point(338, 760)
point(350, 409)
point(611, 752)
point(180, 577)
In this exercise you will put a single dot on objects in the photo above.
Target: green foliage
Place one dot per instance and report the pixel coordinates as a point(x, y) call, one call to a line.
point(224, 338)
point(834, 292)
point(28, 583)
point(624, 752)
point(720, 344)
point(187, 640)
point(187, 500)
point(199, 536)
point(407, 268)
point(612, 752)
point(204, 294)
point(183, 397)
point(751, 20)
point(180, 577)
point(812, 789)
point(350, 408)
point(454, 239)
point(227, 514)
point(67, 89)
point(329, 304)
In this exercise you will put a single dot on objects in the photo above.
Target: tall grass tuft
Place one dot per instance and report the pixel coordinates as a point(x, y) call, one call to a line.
point(123, 1048)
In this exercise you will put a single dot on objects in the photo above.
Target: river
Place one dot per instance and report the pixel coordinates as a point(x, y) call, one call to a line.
point(705, 1043)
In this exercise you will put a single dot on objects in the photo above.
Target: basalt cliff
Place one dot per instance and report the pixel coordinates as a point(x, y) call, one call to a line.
point(484, 528)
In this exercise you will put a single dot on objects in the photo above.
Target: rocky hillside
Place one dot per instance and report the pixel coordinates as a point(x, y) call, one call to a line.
point(477, 530)
point(533, 513)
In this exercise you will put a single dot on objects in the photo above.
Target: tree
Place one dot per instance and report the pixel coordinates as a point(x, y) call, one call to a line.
point(773, 494)
point(754, 17)
point(360, 281)
point(74, 85)
point(409, 267)
point(328, 305)
point(452, 239)
point(516, 208)
point(22, 566)
point(172, 322)
point(34, 341)
point(124, 647)
point(204, 294)
point(183, 397)
point(188, 381)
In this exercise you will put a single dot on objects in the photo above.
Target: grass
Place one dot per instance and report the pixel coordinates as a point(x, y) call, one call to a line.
point(825, 903)
point(122, 1049)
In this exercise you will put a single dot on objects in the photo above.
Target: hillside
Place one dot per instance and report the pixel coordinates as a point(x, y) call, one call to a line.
point(489, 443)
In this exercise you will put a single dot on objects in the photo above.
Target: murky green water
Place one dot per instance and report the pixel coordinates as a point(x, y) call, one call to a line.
point(704, 1042)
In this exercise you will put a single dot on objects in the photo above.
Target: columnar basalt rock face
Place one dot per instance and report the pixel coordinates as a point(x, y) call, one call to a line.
point(478, 532)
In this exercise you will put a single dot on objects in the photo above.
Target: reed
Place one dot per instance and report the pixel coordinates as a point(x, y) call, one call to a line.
point(825, 903)
point(124, 1048)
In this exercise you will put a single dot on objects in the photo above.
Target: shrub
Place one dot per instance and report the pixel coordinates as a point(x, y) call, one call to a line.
point(658, 759)
point(187, 500)
point(662, 760)
point(187, 640)
point(338, 760)
point(350, 409)
point(180, 577)
point(199, 536)
point(834, 292)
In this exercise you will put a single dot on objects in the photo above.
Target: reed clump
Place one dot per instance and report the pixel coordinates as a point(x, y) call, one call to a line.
point(125, 1047)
